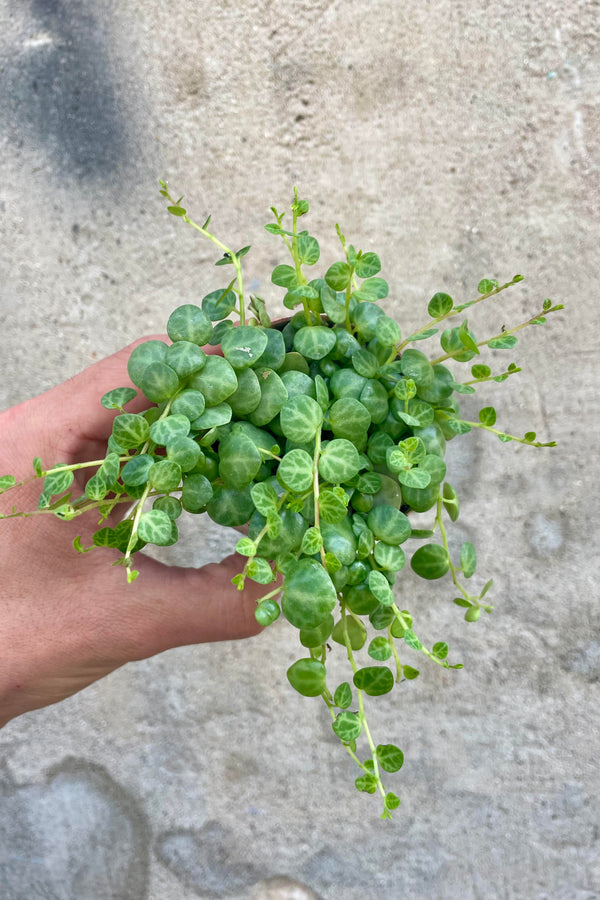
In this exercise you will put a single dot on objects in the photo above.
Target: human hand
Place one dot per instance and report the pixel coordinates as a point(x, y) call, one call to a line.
point(68, 618)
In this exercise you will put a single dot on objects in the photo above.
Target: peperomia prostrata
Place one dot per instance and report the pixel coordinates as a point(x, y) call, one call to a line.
point(321, 434)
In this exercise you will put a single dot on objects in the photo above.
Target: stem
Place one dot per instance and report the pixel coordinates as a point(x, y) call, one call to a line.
point(530, 321)
point(503, 434)
point(392, 644)
point(361, 707)
point(444, 536)
point(236, 262)
point(453, 312)
point(316, 489)
point(136, 522)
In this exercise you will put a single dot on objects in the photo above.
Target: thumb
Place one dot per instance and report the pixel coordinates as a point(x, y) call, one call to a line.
point(190, 606)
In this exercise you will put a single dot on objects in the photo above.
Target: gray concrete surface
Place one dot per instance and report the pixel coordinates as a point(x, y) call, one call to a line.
point(459, 140)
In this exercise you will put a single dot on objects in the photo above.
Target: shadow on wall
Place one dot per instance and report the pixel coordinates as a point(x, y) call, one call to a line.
point(58, 93)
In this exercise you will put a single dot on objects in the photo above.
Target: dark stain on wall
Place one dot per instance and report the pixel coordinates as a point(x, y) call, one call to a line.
point(58, 90)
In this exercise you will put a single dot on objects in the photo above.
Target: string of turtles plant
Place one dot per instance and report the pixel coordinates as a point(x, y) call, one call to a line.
point(321, 435)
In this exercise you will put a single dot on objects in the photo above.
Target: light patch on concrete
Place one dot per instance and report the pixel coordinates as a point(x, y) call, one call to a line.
point(41, 39)
point(545, 535)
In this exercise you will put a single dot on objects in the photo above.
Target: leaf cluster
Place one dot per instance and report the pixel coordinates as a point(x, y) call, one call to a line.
point(324, 435)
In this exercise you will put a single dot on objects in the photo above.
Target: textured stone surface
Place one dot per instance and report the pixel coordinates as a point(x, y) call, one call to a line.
point(79, 836)
point(459, 140)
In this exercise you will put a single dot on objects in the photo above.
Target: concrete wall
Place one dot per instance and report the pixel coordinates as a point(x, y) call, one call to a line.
point(459, 140)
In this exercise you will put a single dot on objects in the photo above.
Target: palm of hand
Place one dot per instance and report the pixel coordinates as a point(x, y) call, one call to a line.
point(69, 618)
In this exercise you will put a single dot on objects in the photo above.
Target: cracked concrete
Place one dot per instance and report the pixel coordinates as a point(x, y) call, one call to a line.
point(460, 141)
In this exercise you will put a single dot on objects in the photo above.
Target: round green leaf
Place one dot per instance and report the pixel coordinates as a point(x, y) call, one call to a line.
point(164, 430)
point(213, 417)
point(300, 418)
point(343, 695)
point(331, 507)
point(239, 460)
point(347, 383)
point(414, 478)
point(348, 418)
point(170, 505)
point(298, 384)
point(339, 539)
point(273, 395)
point(364, 317)
point(380, 649)
point(416, 366)
point(347, 726)
point(334, 304)
point(142, 356)
point(218, 304)
point(359, 598)
point(368, 265)
point(246, 397)
point(273, 356)
point(382, 617)
point(185, 452)
point(436, 468)
point(284, 276)
point(229, 506)
point(130, 430)
point(264, 497)
point(487, 416)
point(339, 461)
point(387, 332)
point(440, 650)
point(440, 305)
point(196, 492)
point(315, 637)
point(295, 471)
point(189, 323)
point(135, 472)
point(307, 676)
point(312, 542)
point(185, 358)
point(156, 527)
point(314, 342)
point(374, 680)
point(267, 612)
point(217, 380)
point(165, 475)
point(365, 363)
point(357, 633)
point(468, 559)
point(441, 388)
point(473, 614)
point(190, 404)
point(369, 483)
point(308, 249)
point(390, 757)
point(309, 595)
point(391, 801)
point(389, 524)
point(260, 571)
point(159, 382)
point(117, 398)
point(243, 346)
point(285, 532)
point(372, 289)
point(338, 276)
point(430, 561)
point(390, 558)
point(380, 588)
